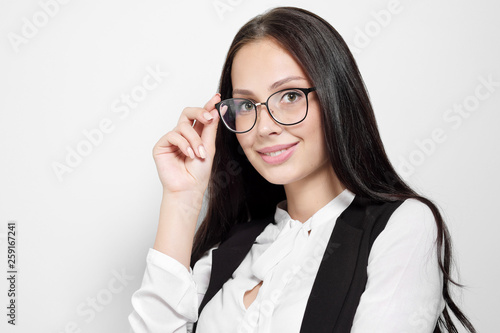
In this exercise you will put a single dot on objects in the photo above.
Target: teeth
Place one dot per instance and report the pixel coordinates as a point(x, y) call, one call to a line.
point(275, 153)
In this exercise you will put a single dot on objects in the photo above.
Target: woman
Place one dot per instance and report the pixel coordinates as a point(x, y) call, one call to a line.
point(309, 228)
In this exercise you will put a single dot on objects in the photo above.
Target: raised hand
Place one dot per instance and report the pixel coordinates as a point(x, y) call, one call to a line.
point(184, 156)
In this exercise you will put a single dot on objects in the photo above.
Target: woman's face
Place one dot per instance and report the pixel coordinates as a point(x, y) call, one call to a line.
point(260, 69)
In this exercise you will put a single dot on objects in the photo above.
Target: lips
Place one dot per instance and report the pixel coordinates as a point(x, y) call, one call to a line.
point(277, 154)
point(276, 148)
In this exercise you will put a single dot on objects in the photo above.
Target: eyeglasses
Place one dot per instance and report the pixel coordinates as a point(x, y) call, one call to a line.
point(286, 107)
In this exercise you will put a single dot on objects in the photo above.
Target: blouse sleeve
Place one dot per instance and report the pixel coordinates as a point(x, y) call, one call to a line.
point(170, 295)
point(404, 288)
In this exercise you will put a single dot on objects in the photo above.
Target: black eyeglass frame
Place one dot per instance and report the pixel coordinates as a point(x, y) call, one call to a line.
point(306, 92)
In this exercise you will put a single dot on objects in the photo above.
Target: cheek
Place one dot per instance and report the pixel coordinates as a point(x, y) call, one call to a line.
point(246, 143)
point(314, 137)
point(314, 147)
point(243, 140)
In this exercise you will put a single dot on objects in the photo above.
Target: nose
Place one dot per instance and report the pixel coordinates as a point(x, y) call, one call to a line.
point(265, 123)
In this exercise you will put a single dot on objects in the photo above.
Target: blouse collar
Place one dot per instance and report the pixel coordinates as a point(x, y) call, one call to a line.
point(331, 210)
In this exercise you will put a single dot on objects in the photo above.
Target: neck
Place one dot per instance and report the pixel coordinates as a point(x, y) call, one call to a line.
point(308, 195)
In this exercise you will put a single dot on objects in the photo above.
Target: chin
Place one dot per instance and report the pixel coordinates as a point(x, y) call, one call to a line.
point(277, 176)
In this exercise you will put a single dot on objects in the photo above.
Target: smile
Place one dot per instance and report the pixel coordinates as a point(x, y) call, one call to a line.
point(275, 153)
point(278, 156)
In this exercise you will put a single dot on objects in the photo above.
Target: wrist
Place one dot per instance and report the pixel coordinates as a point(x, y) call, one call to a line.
point(188, 201)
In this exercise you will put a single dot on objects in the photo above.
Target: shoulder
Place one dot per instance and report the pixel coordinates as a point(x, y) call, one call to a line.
point(411, 226)
point(413, 215)
point(403, 273)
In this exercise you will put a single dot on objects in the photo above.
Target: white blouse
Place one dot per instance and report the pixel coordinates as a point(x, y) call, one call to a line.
point(403, 292)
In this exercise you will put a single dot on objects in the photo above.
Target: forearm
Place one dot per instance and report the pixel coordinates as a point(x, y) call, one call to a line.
point(177, 222)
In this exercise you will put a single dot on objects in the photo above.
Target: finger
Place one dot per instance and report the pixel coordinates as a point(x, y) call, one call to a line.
point(194, 139)
point(210, 105)
point(223, 110)
point(210, 109)
point(209, 133)
point(172, 141)
point(193, 115)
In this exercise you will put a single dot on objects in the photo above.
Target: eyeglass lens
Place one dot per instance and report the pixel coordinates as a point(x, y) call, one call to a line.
point(287, 107)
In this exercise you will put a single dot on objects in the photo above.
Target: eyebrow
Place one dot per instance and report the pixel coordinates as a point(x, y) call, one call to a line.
point(271, 87)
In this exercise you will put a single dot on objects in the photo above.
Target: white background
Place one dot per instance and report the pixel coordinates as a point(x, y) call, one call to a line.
point(76, 232)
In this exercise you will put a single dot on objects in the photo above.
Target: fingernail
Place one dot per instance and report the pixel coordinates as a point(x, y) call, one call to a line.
point(202, 151)
point(207, 116)
point(190, 152)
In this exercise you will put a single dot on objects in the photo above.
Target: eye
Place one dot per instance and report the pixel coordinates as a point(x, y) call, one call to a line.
point(247, 106)
point(290, 97)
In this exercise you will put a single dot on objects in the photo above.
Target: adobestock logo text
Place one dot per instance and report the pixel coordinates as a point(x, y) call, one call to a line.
point(454, 116)
point(31, 26)
point(381, 19)
point(120, 107)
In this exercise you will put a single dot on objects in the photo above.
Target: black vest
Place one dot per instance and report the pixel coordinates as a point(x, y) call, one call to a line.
point(342, 275)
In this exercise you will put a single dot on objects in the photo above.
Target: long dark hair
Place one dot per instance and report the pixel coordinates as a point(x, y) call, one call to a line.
point(238, 193)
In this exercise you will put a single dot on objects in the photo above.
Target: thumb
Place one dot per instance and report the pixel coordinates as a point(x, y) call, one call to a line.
point(210, 130)
point(211, 103)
